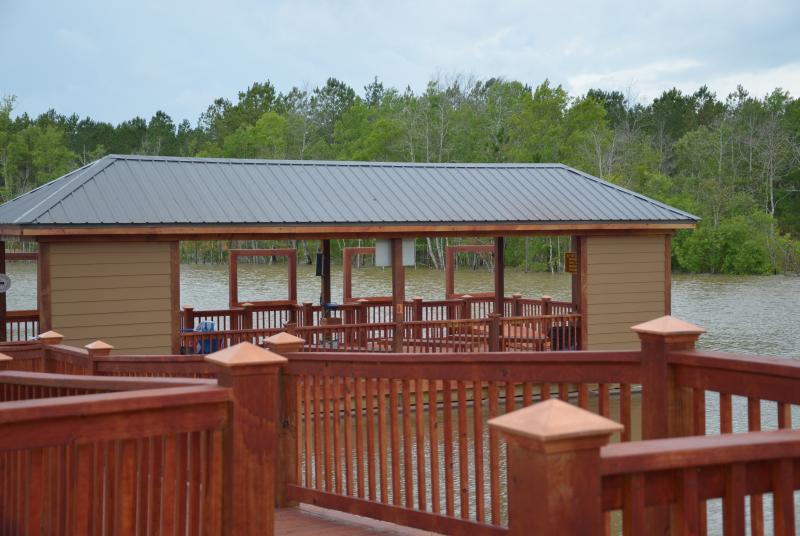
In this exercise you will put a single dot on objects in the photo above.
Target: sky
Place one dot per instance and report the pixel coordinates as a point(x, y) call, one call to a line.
point(115, 60)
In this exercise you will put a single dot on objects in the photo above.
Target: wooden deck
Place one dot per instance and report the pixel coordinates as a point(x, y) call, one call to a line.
point(307, 520)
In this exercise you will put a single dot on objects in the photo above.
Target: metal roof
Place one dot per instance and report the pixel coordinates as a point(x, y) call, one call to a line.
point(141, 190)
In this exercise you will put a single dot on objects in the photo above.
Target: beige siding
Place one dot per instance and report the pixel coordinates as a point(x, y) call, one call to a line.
point(625, 285)
point(115, 292)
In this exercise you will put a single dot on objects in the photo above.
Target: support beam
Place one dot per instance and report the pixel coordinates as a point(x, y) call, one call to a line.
point(326, 271)
point(499, 275)
point(2, 294)
point(398, 292)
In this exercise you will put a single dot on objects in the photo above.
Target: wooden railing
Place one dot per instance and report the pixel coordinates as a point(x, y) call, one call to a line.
point(661, 485)
point(115, 463)
point(394, 436)
point(496, 333)
point(92, 455)
point(21, 325)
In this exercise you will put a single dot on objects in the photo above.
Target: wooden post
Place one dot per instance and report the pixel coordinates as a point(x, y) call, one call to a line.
point(516, 305)
point(51, 338)
point(247, 316)
point(666, 406)
point(285, 343)
point(308, 314)
point(398, 293)
point(494, 332)
point(362, 317)
point(466, 307)
point(3, 305)
point(326, 272)
point(499, 275)
point(417, 308)
point(188, 317)
point(97, 349)
point(547, 306)
point(5, 361)
point(250, 440)
point(554, 483)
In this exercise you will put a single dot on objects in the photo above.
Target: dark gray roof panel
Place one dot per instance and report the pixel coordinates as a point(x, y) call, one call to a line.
point(141, 190)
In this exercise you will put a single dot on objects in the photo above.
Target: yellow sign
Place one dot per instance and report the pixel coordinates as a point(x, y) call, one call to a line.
point(571, 262)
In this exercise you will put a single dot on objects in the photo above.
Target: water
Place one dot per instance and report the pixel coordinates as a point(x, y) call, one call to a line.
point(751, 314)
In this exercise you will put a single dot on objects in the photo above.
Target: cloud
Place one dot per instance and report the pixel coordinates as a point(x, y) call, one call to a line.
point(648, 80)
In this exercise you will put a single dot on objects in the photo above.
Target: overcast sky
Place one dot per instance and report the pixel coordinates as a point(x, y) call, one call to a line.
point(114, 60)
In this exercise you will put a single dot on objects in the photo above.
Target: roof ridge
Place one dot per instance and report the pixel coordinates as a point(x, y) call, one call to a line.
point(340, 163)
point(84, 174)
point(619, 188)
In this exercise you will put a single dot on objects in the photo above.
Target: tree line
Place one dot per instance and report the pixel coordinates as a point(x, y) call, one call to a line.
point(734, 161)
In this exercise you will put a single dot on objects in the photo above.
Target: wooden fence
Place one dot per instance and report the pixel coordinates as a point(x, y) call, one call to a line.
point(90, 455)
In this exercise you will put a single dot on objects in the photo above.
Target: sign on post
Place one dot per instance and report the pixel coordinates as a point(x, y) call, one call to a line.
point(5, 283)
point(571, 262)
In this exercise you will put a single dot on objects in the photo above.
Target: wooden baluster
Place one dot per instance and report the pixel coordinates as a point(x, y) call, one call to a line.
point(543, 456)
point(370, 410)
point(783, 496)
point(733, 500)
point(382, 442)
point(725, 413)
point(288, 469)
point(327, 420)
point(447, 417)
point(251, 437)
point(350, 484)
point(408, 465)
point(756, 500)
point(688, 514)
point(625, 411)
point(419, 410)
point(477, 434)
point(494, 455)
point(463, 459)
point(358, 393)
point(433, 437)
point(633, 521)
point(394, 426)
point(308, 410)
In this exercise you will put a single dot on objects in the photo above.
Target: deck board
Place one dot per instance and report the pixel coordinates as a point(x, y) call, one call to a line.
point(309, 520)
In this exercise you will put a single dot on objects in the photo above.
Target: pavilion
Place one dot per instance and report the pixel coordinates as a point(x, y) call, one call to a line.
point(109, 233)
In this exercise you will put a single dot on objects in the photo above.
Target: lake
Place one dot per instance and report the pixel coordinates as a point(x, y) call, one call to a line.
point(754, 314)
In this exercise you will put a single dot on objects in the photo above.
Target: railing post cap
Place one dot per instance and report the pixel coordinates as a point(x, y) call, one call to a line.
point(98, 346)
point(188, 306)
point(5, 357)
point(51, 337)
point(466, 296)
point(362, 300)
point(555, 426)
point(417, 298)
point(245, 354)
point(516, 295)
point(284, 342)
point(247, 304)
point(547, 298)
point(308, 304)
point(667, 326)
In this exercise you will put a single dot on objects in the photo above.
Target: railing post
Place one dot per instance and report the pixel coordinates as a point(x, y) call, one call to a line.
point(290, 327)
point(49, 338)
point(362, 317)
point(188, 317)
point(466, 307)
point(417, 316)
point(247, 315)
point(547, 305)
point(250, 440)
point(554, 482)
point(494, 332)
point(516, 305)
point(308, 313)
point(5, 361)
point(666, 406)
point(288, 464)
point(97, 349)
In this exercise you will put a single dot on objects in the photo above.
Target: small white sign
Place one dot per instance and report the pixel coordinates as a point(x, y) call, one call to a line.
point(5, 283)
